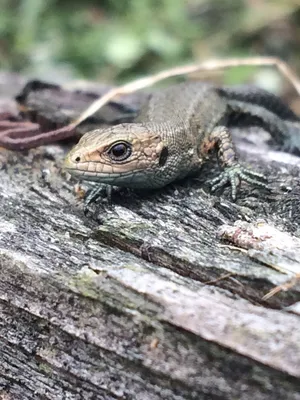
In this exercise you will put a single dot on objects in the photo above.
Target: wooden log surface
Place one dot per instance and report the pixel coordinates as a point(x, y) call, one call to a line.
point(159, 296)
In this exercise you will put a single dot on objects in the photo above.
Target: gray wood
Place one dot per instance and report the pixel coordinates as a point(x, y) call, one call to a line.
point(129, 302)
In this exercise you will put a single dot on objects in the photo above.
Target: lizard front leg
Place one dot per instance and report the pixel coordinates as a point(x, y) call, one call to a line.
point(220, 139)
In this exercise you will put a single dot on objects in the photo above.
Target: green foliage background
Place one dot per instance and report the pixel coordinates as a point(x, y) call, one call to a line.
point(117, 40)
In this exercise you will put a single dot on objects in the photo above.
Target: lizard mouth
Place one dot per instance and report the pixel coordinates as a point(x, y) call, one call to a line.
point(80, 170)
point(84, 171)
point(137, 179)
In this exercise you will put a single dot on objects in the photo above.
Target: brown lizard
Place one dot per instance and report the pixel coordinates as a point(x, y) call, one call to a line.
point(174, 132)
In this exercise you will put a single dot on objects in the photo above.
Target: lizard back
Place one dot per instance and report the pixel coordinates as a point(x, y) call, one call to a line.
point(186, 104)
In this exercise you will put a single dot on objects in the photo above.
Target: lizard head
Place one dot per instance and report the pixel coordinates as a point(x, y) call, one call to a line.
point(125, 155)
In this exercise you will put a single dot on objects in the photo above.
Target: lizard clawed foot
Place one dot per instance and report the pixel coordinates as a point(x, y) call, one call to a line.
point(234, 175)
point(93, 194)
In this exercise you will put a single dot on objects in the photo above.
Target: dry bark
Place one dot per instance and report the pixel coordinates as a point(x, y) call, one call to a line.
point(145, 300)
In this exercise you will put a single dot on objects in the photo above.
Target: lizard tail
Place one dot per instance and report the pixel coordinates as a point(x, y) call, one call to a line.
point(292, 141)
point(285, 133)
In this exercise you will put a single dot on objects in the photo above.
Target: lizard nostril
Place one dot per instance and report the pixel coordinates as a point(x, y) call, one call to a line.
point(77, 159)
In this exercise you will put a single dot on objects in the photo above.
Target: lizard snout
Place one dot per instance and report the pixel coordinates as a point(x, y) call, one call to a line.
point(72, 160)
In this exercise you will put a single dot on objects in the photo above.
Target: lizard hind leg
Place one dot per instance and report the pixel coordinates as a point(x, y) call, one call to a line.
point(233, 173)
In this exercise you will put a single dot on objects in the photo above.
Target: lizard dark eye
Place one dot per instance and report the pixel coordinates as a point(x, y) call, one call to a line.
point(77, 159)
point(120, 151)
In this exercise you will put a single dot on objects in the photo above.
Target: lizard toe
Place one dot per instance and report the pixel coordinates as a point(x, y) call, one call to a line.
point(234, 175)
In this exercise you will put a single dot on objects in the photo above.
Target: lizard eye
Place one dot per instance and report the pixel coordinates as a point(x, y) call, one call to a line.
point(120, 151)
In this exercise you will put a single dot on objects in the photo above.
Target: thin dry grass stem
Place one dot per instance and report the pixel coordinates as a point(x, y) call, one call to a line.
point(284, 287)
point(212, 65)
point(220, 278)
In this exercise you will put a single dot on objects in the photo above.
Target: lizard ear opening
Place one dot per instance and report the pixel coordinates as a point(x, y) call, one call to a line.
point(163, 156)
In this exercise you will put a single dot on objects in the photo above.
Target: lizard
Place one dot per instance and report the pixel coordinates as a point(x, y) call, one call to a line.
point(173, 134)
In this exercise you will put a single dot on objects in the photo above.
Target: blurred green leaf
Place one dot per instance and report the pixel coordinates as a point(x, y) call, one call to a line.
point(29, 12)
point(163, 43)
point(122, 39)
point(123, 48)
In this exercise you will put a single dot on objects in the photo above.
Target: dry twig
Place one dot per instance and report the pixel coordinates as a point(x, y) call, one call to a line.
point(212, 65)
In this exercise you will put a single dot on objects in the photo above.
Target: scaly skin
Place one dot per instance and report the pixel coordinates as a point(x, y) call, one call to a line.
point(175, 131)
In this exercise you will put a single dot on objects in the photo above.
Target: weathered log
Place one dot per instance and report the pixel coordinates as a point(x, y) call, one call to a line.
point(145, 300)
